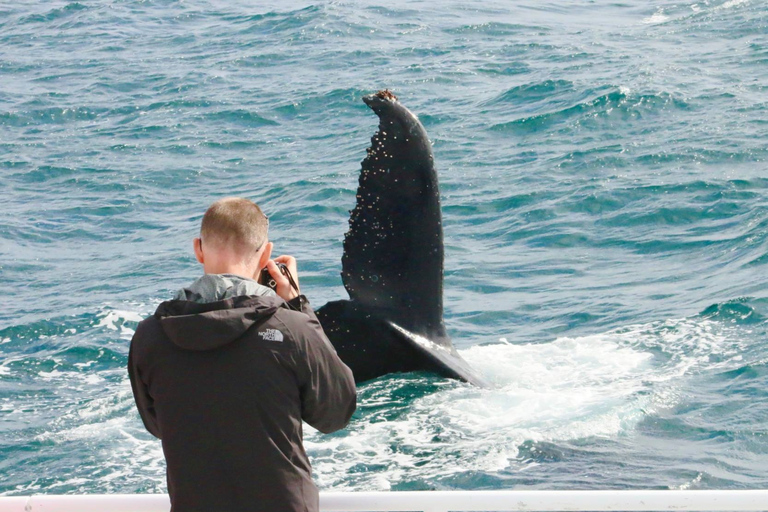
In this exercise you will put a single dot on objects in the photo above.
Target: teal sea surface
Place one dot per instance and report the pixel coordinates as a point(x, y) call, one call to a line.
point(604, 177)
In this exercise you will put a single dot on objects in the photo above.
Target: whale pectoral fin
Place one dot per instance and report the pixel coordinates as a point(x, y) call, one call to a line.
point(392, 266)
point(440, 359)
point(393, 251)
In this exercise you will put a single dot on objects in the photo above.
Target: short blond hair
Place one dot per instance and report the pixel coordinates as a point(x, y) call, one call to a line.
point(235, 223)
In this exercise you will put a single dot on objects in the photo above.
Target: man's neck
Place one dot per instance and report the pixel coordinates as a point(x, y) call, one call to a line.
point(237, 270)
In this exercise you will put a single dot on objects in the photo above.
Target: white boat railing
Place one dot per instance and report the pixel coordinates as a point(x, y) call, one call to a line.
point(436, 501)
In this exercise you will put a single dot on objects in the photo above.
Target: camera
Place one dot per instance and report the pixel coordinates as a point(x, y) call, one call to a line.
point(266, 278)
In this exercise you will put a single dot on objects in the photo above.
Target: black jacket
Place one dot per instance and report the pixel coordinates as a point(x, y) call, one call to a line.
point(226, 386)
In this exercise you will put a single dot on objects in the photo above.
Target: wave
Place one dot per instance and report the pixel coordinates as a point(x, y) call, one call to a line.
point(305, 13)
point(729, 4)
point(741, 311)
point(323, 101)
point(54, 14)
point(239, 116)
point(547, 90)
point(495, 29)
point(615, 104)
point(51, 115)
point(505, 69)
point(711, 212)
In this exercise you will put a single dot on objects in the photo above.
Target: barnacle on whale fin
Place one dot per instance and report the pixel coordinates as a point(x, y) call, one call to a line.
point(386, 94)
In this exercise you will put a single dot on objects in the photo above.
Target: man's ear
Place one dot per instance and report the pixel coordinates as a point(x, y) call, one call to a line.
point(198, 244)
point(264, 258)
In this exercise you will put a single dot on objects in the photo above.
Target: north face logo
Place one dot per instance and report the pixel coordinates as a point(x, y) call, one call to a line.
point(271, 335)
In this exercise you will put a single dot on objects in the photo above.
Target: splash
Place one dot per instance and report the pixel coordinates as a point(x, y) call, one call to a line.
point(732, 3)
point(656, 18)
point(412, 428)
point(116, 320)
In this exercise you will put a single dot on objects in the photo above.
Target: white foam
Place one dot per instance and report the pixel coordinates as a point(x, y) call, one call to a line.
point(569, 389)
point(657, 17)
point(53, 374)
point(732, 3)
point(114, 320)
point(98, 429)
point(72, 482)
point(112, 317)
point(86, 431)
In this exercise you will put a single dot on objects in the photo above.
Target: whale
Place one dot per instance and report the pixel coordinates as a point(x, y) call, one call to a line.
point(392, 264)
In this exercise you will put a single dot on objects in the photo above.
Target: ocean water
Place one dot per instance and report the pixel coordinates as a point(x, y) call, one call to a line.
point(604, 180)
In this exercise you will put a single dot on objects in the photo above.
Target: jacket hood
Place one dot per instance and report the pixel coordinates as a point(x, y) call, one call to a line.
point(215, 287)
point(206, 326)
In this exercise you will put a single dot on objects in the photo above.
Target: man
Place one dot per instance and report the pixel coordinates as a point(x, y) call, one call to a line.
point(225, 373)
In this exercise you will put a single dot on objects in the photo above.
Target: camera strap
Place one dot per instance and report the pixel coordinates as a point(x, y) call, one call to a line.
point(287, 273)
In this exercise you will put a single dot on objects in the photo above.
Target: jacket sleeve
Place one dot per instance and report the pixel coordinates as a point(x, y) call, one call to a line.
point(144, 402)
point(327, 387)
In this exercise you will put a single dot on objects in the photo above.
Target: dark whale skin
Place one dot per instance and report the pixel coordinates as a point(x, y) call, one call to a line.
point(392, 265)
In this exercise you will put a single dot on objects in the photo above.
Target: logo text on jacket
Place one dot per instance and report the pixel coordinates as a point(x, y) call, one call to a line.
point(271, 335)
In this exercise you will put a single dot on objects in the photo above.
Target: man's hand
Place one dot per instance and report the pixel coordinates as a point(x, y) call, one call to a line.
point(284, 288)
